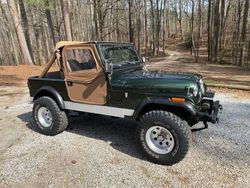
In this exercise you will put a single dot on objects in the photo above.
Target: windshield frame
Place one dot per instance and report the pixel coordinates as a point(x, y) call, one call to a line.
point(99, 45)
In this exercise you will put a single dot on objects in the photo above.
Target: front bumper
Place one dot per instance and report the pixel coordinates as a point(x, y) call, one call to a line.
point(212, 115)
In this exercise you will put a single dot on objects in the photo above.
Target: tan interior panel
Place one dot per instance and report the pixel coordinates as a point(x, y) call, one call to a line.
point(85, 84)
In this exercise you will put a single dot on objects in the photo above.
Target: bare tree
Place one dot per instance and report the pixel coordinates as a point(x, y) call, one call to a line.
point(66, 19)
point(196, 40)
point(14, 53)
point(145, 28)
point(219, 25)
point(237, 42)
point(19, 32)
point(209, 24)
point(158, 24)
point(95, 19)
point(49, 21)
point(25, 27)
point(179, 17)
point(216, 28)
point(163, 26)
point(131, 30)
point(152, 25)
point(244, 33)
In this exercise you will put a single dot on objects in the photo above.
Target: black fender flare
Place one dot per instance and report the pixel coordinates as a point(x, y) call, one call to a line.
point(166, 102)
point(53, 92)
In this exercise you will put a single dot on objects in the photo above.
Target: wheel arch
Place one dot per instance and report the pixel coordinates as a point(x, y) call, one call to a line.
point(184, 110)
point(50, 92)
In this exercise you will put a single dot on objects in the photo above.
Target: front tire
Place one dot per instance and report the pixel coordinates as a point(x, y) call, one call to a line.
point(163, 137)
point(48, 117)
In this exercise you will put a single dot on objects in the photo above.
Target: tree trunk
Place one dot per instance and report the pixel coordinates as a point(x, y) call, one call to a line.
point(221, 34)
point(118, 32)
point(10, 37)
point(180, 18)
point(15, 50)
point(244, 33)
point(209, 24)
point(192, 25)
point(198, 32)
point(19, 32)
point(139, 34)
point(236, 62)
point(57, 19)
point(158, 24)
point(168, 19)
point(145, 28)
point(66, 19)
point(131, 30)
point(110, 22)
point(234, 22)
point(216, 31)
point(26, 27)
point(101, 19)
point(248, 52)
point(95, 20)
point(152, 25)
point(49, 20)
point(176, 18)
point(163, 26)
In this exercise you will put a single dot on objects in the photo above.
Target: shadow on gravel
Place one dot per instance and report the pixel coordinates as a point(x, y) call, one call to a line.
point(118, 133)
point(28, 119)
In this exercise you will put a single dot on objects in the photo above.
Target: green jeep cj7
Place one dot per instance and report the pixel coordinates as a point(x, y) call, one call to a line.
point(110, 79)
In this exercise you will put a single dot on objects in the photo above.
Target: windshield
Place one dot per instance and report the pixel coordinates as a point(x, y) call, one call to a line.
point(119, 54)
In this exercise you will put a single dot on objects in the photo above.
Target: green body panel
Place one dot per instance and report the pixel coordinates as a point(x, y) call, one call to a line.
point(35, 83)
point(128, 89)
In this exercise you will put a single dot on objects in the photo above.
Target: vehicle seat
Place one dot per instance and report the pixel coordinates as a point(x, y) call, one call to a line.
point(88, 65)
point(74, 65)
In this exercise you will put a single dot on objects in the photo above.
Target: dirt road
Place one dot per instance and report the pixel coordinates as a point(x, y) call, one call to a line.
point(100, 151)
point(229, 76)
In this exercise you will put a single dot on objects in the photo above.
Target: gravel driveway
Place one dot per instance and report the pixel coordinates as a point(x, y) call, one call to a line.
point(98, 151)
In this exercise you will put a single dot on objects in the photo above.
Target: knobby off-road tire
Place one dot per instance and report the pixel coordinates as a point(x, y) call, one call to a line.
point(49, 119)
point(163, 137)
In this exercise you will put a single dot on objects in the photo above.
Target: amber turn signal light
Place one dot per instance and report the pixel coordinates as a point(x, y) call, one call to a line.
point(175, 99)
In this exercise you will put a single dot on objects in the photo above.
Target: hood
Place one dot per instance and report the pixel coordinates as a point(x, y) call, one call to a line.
point(157, 81)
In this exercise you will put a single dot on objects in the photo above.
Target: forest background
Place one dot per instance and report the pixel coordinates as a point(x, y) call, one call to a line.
point(215, 29)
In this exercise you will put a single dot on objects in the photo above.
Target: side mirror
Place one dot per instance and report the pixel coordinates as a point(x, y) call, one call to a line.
point(109, 67)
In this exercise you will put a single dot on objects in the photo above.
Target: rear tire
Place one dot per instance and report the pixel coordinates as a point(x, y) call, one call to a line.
point(163, 137)
point(48, 117)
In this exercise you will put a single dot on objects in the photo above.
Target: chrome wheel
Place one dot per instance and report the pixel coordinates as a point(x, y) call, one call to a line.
point(160, 140)
point(44, 117)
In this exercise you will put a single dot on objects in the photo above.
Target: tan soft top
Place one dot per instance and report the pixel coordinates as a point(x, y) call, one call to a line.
point(66, 43)
point(61, 44)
